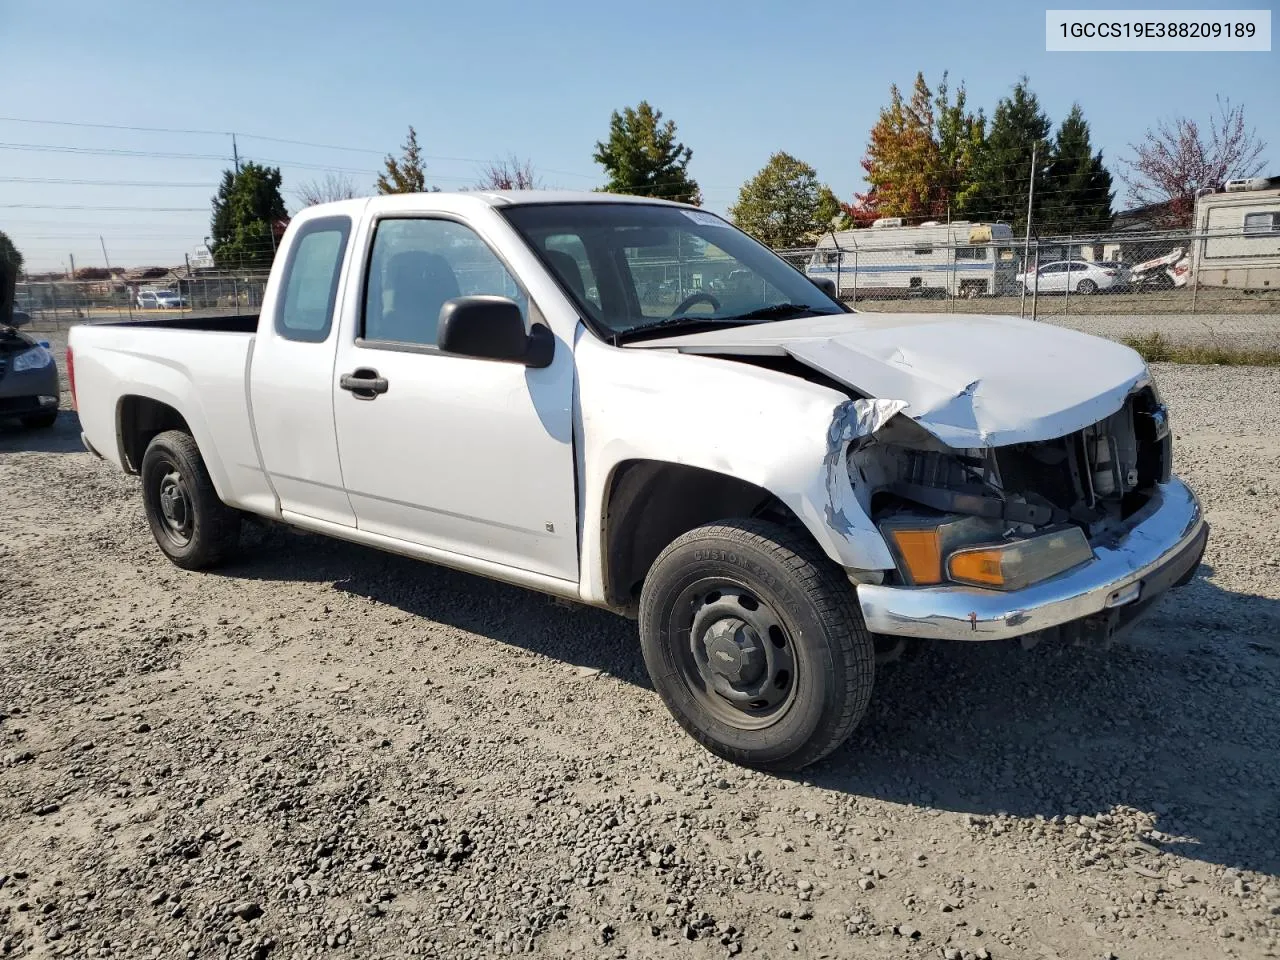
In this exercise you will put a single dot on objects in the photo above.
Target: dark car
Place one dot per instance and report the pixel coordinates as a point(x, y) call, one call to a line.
point(28, 380)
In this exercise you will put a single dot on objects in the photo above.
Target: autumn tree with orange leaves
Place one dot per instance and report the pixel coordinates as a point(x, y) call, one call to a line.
point(920, 156)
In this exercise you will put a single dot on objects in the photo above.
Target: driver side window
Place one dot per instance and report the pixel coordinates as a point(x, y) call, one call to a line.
point(416, 265)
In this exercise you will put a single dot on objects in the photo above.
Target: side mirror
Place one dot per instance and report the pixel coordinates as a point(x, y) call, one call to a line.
point(827, 286)
point(492, 328)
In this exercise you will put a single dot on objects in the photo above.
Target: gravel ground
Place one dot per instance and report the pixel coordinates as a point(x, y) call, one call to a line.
point(326, 751)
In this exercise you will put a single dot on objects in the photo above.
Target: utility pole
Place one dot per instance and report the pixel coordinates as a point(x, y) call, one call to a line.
point(73, 266)
point(235, 152)
point(104, 255)
point(1026, 243)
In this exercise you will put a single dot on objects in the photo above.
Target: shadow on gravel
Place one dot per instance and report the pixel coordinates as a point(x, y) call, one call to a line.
point(62, 437)
point(578, 635)
point(1178, 719)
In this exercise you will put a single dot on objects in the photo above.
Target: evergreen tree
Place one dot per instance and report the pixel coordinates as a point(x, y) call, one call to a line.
point(1078, 191)
point(248, 214)
point(1004, 171)
point(407, 174)
point(961, 139)
point(642, 156)
point(10, 269)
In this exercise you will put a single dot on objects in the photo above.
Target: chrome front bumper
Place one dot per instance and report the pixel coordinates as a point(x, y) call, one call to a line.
point(1161, 548)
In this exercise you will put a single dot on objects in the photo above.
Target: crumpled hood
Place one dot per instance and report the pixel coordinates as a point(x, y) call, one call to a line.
point(972, 381)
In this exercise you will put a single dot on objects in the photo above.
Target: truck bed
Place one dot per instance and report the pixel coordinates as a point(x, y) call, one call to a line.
point(194, 364)
point(223, 323)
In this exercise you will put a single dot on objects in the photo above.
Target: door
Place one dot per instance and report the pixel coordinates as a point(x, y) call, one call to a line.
point(1052, 278)
point(291, 376)
point(470, 456)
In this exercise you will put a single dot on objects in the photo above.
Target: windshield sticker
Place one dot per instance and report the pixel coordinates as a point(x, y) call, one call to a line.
point(704, 219)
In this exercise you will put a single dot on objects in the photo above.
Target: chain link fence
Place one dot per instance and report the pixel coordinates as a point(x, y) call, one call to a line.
point(1113, 274)
point(1145, 276)
point(52, 303)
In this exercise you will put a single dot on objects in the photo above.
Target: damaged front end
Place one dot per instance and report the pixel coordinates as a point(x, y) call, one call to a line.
point(1008, 519)
point(1094, 478)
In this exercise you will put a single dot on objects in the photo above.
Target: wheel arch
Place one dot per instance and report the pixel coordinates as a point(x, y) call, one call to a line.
point(649, 503)
point(138, 420)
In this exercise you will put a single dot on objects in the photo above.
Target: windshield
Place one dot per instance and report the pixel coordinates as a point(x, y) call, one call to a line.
point(635, 268)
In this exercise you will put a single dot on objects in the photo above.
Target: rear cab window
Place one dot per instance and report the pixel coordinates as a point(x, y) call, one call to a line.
point(309, 288)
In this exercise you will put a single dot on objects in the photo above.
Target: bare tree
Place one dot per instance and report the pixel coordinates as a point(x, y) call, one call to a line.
point(334, 186)
point(509, 174)
point(1175, 160)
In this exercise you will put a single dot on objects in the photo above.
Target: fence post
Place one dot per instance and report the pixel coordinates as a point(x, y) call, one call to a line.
point(1193, 259)
point(854, 301)
point(952, 292)
point(1035, 291)
point(839, 257)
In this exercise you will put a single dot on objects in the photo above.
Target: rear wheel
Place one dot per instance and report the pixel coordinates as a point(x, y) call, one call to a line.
point(754, 641)
point(40, 421)
point(1086, 287)
point(191, 525)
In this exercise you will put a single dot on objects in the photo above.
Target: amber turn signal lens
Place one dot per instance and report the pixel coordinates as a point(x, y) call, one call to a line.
point(978, 566)
point(921, 553)
point(1020, 563)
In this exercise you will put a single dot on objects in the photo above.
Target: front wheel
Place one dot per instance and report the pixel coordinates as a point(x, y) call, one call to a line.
point(191, 525)
point(754, 641)
point(1086, 287)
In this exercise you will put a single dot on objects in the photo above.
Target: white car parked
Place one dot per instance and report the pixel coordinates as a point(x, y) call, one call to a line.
point(1076, 276)
point(160, 300)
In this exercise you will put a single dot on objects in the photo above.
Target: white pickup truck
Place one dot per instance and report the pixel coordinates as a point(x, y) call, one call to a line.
point(542, 388)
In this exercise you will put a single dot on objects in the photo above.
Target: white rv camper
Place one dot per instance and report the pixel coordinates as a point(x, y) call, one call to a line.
point(960, 259)
point(1239, 235)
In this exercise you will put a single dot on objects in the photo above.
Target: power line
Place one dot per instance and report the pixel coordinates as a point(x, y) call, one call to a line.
point(203, 184)
point(76, 206)
point(108, 152)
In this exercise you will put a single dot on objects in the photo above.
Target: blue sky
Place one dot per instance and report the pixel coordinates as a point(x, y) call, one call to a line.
point(481, 80)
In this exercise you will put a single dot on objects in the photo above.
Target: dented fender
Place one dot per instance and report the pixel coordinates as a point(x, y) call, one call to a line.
point(778, 432)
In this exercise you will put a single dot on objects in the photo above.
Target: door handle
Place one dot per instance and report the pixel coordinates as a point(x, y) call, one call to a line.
point(364, 384)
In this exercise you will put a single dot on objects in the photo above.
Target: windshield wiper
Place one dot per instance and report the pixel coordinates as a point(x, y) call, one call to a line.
point(774, 311)
point(684, 320)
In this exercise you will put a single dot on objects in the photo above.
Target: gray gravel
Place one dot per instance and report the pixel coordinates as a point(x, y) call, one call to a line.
point(323, 750)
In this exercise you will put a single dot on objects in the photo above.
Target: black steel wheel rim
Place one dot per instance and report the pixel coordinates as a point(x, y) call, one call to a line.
point(735, 654)
point(175, 511)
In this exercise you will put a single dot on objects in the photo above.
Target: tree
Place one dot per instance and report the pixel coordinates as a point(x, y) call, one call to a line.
point(10, 269)
point(1078, 190)
point(784, 205)
point(961, 138)
point(409, 173)
point(902, 157)
point(1174, 161)
point(920, 156)
point(248, 217)
point(1003, 173)
point(642, 156)
point(334, 186)
point(509, 174)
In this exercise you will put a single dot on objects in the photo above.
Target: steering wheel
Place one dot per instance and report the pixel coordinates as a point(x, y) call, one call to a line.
point(693, 298)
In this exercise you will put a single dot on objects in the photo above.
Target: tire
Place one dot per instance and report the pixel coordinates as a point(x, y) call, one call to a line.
point(803, 660)
point(195, 529)
point(40, 421)
point(1086, 288)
